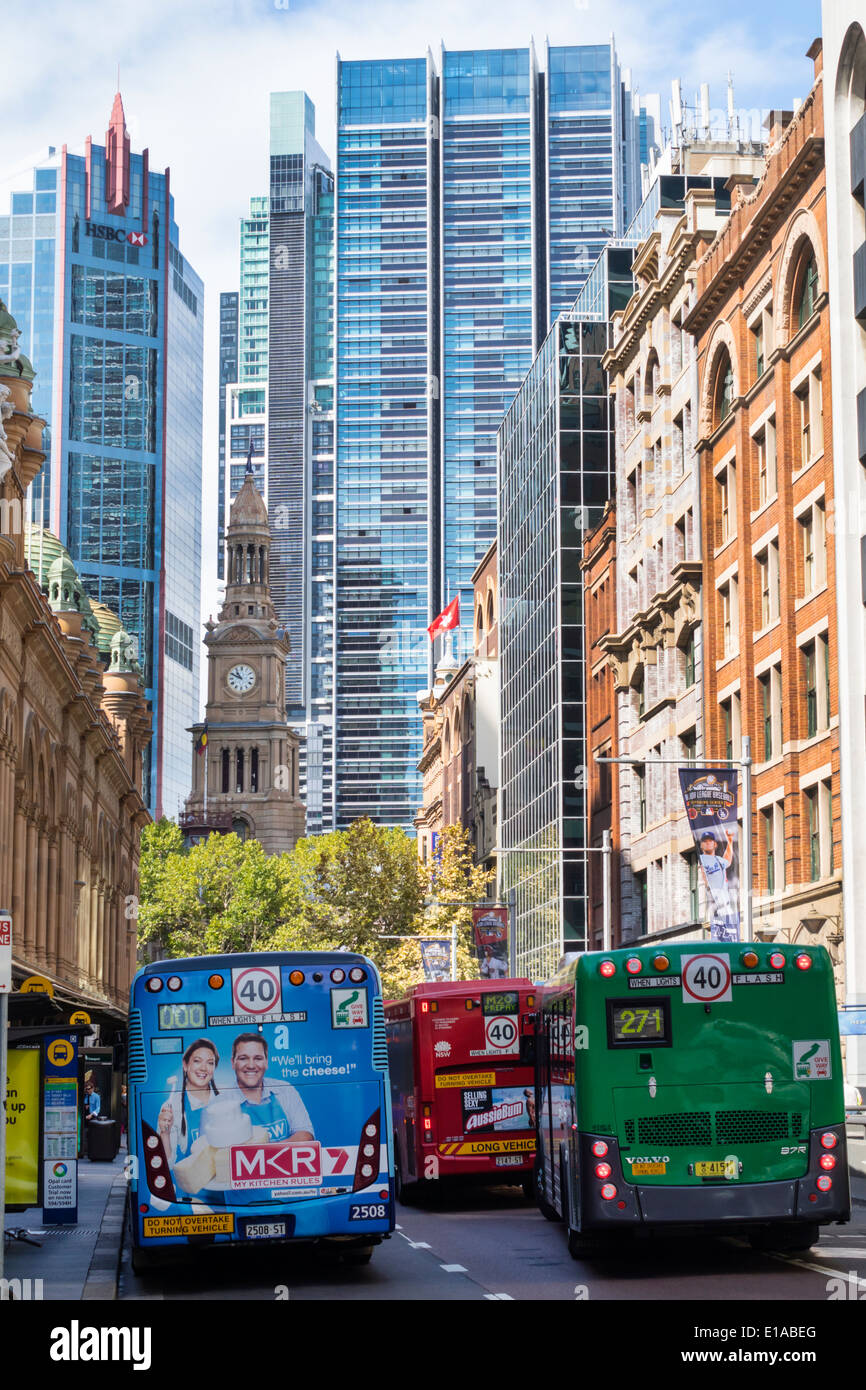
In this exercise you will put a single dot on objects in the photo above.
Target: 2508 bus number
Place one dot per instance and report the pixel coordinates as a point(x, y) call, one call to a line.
point(368, 1211)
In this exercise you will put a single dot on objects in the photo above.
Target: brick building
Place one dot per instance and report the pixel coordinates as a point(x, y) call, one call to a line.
point(761, 321)
point(460, 718)
point(599, 581)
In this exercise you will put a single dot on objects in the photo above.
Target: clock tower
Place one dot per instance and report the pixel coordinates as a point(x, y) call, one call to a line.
point(245, 757)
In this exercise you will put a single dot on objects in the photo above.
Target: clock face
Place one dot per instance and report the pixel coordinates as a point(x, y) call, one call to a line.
point(241, 679)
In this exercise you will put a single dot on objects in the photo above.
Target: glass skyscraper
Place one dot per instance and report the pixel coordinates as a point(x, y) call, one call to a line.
point(282, 402)
point(557, 470)
point(473, 196)
point(114, 312)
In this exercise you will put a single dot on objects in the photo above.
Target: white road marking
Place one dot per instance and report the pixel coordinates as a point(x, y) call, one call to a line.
point(454, 1269)
point(505, 1297)
point(830, 1252)
point(821, 1269)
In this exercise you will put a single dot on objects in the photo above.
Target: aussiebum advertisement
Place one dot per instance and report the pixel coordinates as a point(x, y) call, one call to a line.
point(492, 1109)
point(252, 1113)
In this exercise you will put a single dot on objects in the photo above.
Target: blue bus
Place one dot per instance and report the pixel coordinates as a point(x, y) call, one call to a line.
point(259, 1103)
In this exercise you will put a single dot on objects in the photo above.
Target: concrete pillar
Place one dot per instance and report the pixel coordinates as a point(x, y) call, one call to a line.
point(41, 890)
point(30, 892)
point(52, 917)
point(18, 870)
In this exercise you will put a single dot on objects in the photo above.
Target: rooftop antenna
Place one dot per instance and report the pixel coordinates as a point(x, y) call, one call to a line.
point(705, 109)
point(733, 123)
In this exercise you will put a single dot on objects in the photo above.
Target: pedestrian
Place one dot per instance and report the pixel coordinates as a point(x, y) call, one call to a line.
point(124, 1110)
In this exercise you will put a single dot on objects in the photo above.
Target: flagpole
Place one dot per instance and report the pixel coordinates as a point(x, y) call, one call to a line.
point(205, 776)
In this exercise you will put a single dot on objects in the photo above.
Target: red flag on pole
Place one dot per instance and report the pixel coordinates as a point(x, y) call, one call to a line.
point(449, 618)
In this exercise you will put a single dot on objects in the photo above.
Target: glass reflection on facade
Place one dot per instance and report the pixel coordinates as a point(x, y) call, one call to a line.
point(556, 471)
point(104, 297)
point(473, 196)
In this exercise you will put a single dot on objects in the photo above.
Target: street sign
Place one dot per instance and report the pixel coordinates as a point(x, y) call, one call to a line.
point(5, 953)
point(706, 979)
point(79, 1017)
point(256, 990)
point(37, 984)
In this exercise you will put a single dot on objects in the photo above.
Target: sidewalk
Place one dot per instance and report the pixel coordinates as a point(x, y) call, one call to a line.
point(75, 1262)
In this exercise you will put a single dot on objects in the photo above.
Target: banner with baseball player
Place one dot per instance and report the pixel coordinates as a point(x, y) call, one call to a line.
point(710, 797)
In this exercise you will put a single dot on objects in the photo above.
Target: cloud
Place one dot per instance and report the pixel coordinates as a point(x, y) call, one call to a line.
point(196, 74)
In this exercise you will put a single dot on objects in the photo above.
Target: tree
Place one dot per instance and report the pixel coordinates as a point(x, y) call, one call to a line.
point(352, 890)
point(454, 884)
point(223, 894)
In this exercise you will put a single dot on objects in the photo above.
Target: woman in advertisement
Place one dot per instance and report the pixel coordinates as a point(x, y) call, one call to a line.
point(180, 1118)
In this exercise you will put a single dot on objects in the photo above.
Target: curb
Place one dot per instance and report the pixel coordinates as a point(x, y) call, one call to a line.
point(101, 1281)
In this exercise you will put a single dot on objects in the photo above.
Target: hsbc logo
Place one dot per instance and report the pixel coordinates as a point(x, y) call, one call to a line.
point(277, 1165)
point(103, 233)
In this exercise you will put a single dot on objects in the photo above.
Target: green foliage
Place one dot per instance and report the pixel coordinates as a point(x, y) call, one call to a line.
point(357, 889)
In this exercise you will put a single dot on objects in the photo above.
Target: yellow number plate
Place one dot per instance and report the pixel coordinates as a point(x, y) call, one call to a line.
point(717, 1169)
point(641, 1168)
point(188, 1225)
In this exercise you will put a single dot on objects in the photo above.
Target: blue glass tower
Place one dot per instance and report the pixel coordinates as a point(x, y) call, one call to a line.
point(117, 336)
point(473, 196)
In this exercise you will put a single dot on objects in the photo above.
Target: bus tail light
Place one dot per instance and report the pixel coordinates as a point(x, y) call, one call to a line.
point(154, 984)
point(215, 981)
point(829, 1140)
point(634, 965)
point(607, 968)
point(803, 962)
point(602, 1170)
point(608, 1192)
point(750, 959)
point(599, 1148)
point(828, 1162)
point(367, 1165)
point(777, 960)
point(661, 962)
point(824, 1183)
point(159, 1178)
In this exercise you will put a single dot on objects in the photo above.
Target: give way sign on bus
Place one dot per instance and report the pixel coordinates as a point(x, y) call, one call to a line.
point(706, 979)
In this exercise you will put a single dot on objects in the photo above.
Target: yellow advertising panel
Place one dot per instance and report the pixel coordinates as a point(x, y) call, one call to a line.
point(22, 1127)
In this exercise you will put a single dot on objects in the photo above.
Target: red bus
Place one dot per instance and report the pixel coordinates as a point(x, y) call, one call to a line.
point(461, 1057)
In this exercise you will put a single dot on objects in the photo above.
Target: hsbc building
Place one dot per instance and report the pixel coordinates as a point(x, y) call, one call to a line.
point(111, 313)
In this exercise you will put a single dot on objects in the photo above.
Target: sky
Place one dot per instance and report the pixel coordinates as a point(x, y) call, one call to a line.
point(195, 77)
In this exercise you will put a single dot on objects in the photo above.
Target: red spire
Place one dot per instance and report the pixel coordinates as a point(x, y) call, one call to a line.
point(117, 160)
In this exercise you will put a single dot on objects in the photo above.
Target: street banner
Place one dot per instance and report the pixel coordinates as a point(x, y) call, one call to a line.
point(5, 953)
point(491, 940)
point(22, 1127)
point(711, 804)
point(436, 959)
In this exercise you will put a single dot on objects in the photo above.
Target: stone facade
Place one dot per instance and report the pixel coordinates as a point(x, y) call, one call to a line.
point(72, 736)
point(655, 647)
point(460, 717)
point(844, 90)
point(762, 324)
point(246, 779)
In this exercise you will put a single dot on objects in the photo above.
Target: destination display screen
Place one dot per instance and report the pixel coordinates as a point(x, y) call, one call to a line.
point(504, 1003)
point(630, 1024)
point(179, 1016)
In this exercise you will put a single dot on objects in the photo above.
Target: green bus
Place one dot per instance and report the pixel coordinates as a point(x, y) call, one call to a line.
point(691, 1086)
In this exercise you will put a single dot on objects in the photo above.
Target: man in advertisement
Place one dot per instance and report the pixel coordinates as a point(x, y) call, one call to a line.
point(710, 798)
point(274, 1106)
point(725, 919)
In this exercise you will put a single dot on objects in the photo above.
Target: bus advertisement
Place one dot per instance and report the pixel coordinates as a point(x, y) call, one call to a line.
point(258, 1103)
point(691, 1086)
point(461, 1061)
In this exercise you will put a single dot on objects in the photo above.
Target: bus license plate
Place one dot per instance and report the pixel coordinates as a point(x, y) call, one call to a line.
point(510, 1161)
point(717, 1169)
point(265, 1230)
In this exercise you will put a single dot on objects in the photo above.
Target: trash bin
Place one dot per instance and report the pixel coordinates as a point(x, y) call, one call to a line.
point(103, 1140)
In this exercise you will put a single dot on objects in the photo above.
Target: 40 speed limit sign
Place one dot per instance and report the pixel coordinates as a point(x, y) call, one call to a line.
point(706, 979)
point(501, 1033)
point(256, 989)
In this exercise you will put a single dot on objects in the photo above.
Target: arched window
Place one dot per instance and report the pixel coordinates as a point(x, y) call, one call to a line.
point(724, 396)
point(239, 780)
point(254, 770)
point(806, 288)
point(240, 828)
point(226, 771)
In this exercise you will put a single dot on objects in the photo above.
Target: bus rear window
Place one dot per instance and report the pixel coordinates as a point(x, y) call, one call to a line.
point(638, 1025)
